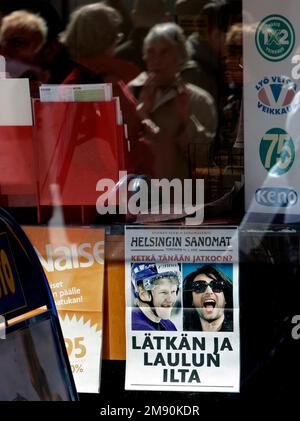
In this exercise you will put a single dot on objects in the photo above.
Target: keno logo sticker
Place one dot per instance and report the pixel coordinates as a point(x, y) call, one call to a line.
point(275, 38)
point(279, 197)
point(277, 151)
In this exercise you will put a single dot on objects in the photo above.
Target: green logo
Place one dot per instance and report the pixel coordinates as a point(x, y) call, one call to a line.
point(275, 37)
point(277, 151)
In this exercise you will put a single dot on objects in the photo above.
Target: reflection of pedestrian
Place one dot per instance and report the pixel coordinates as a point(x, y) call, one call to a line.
point(183, 114)
point(144, 14)
point(37, 374)
point(156, 288)
point(22, 36)
point(206, 293)
point(91, 37)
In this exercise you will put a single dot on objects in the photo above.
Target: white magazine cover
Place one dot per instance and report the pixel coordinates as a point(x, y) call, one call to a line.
point(182, 309)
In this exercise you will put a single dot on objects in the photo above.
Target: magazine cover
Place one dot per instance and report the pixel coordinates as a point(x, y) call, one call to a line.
point(182, 309)
point(73, 260)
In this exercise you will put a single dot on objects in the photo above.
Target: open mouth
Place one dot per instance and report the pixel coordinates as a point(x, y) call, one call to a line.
point(209, 304)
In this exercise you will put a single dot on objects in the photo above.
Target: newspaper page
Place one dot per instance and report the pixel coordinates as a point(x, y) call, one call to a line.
point(73, 261)
point(182, 309)
point(76, 93)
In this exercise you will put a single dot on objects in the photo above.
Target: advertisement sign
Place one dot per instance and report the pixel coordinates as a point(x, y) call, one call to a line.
point(271, 104)
point(73, 260)
point(182, 309)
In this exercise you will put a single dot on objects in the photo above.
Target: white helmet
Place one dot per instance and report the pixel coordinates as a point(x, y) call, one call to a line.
point(147, 273)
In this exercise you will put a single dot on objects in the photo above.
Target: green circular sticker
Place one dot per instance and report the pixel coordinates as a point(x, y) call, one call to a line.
point(275, 37)
point(277, 151)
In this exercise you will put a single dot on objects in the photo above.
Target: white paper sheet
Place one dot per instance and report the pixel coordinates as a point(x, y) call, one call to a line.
point(78, 93)
point(15, 103)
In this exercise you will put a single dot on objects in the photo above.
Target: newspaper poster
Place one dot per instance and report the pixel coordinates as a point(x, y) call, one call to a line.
point(182, 309)
point(73, 261)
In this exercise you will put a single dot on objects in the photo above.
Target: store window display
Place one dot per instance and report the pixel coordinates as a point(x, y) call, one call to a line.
point(189, 132)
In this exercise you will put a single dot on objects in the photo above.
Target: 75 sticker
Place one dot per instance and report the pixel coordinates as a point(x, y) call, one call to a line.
point(277, 151)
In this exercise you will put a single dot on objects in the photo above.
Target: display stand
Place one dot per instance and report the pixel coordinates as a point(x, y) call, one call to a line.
point(34, 361)
point(72, 139)
point(72, 146)
point(17, 167)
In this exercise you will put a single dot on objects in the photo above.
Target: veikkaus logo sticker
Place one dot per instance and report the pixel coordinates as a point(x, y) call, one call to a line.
point(277, 151)
point(276, 95)
point(275, 37)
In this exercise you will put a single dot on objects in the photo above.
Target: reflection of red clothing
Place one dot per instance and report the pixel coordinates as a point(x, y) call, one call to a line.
point(109, 66)
point(117, 72)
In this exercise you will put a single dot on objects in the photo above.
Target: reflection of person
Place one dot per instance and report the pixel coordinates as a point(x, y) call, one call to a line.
point(183, 114)
point(144, 14)
point(91, 37)
point(22, 35)
point(206, 293)
point(156, 288)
